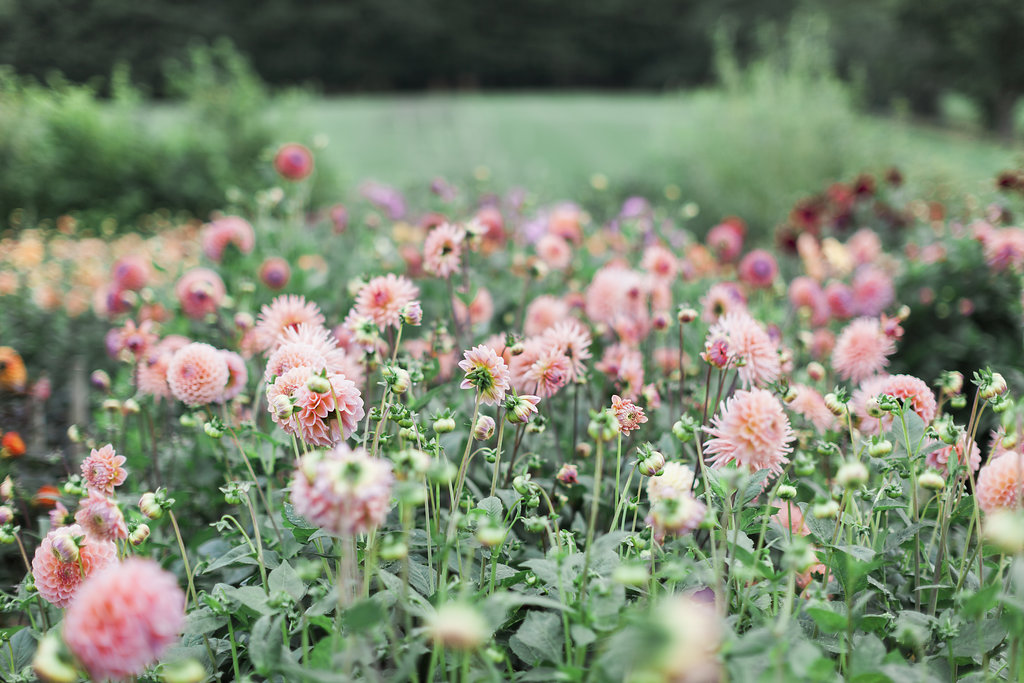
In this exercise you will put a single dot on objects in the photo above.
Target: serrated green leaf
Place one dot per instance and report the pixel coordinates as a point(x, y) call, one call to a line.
point(827, 620)
point(284, 578)
point(538, 639)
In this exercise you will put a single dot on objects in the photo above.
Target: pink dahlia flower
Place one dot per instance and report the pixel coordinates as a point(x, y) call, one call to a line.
point(200, 292)
point(61, 563)
point(862, 350)
point(383, 298)
point(750, 344)
point(543, 312)
point(486, 372)
point(198, 374)
point(1001, 482)
point(752, 430)
point(281, 314)
point(218, 234)
point(442, 250)
point(101, 517)
point(342, 491)
point(294, 161)
point(124, 619)
point(104, 469)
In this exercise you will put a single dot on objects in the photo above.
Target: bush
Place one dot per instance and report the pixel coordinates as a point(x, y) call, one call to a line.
point(63, 149)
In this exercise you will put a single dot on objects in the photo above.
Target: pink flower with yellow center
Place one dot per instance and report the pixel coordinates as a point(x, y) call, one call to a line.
point(629, 415)
point(486, 372)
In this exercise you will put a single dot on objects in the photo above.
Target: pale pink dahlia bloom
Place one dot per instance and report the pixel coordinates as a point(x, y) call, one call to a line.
point(1001, 482)
point(660, 263)
point(873, 290)
point(810, 404)
point(862, 350)
point(480, 309)
point(200, 292)
point(616, 295)
point(284, 312)
point(293, 355)
point(551, 371)
point(383, 298)
point(101, 517)
point(103, 469)
point(197, 374)
point(442, 250)
point(869, 389)
point(939, 459)
point(543, 312)
point(238, 375)
point(674, 479)
point(342, 491)
point(486, 372)
point(791, 518)
point(124, 619)
point(751, 430)
point(572, 339)
point(337, 359)
point(758, 269)
point(218, 234)
point(58, 572)
point(750, 345)
point(325, 419)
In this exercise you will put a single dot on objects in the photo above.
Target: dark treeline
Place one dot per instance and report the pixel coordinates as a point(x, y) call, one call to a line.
point(895, 48)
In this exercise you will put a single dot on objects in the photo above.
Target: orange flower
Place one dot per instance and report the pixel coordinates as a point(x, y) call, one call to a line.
point(46, 496)
point(12, 445)
point(12, 370)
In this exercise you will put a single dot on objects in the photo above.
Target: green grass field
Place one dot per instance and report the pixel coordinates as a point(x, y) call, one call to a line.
point(751, 153)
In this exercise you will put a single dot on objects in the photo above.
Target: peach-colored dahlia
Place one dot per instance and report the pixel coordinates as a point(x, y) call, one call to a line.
point(751, 430)
point(383, 298)
point(342, 491)
point(284, 312)
point(198, 374)
point(61, 563)
point(124, 618)
point(1000, 483)
point(218, 234)
point(103, 469)
point(862, 350)
point(200, 292)
point(442, 250)
point(101, 517)
point(749, 344)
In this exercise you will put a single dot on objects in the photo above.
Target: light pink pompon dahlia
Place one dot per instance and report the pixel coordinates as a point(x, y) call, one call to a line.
point(862, 350)
point(543, 312)
point(791, 518)
point(383, 298)
point(284, 312)
point(101, 517)
point(238, 375)
point(810, 404)
point(124, 619)
point(442, 250)
point(200, 292)
point(342, 491)
point(750, 347)
point(198, 374)
point(217, 235)
point(486, 372)
point(1001, 482)
point(752, 431)
point(318, 419)
point(571, 338)
point(65, 558)
point(939, 459)
point(104, 469)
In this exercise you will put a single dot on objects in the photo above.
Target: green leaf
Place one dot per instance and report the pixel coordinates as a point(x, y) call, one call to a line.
point(827, 620)
point(976, 604)
point(240, 554)
point(265, 643)
point(252, 597)
point(978, 638)
point(23, 644)
point(539, 639)
point(363, 616)
point(581, 635)
point(492, 506)
point(204, 621)
point(822, 529)
point(285, 579)
point(295, 519)
point(754, 487)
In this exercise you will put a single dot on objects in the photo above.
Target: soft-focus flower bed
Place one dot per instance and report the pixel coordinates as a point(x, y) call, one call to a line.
point(487, 440)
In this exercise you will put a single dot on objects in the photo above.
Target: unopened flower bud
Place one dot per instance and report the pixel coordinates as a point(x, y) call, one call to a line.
point(150, 506)
point(686, 314)
point(282, 407)
point(787, 492)
point(632, 574)
point(604, 426)
point(484, 428)
point(873, 408)
point(683, 429)
point(441, 472)
point(652, 465)
point(65, 547)
point(212, 430)
point(834, 405)
point(1000, 404)
point(393, 548)
point(568, 474)
point(958, 402)
point(74, 434)
point(52, 662)
point(130, 407)
point(444, 425)
point(184, 671)
point(952, 382)
point(7, 488)
point(112, 405)
point(244, 321)
point(931, 480)
point(522, 484)
point(995, 386)
point(100, 380)
point(457, 626)
point(852, 475)
point(412, 314)
point(490, 535)
point(583, 450)
point(880, 448)
point(319, 384)
point(1005, 530)
point(516, 349)
point(816, 371)
point(828, 509)
point(139, 535)
point(521, 409)
point(6, 515)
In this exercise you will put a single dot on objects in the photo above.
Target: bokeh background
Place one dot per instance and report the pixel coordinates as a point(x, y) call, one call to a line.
point(112, 109)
